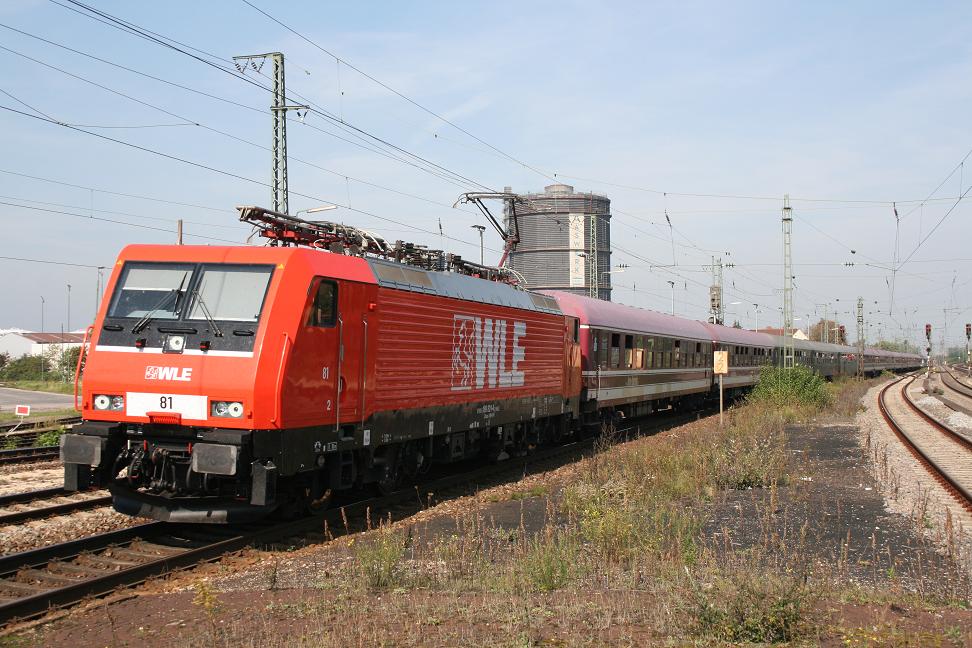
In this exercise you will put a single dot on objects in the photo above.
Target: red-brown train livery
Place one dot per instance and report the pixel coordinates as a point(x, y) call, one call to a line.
point(223, 383)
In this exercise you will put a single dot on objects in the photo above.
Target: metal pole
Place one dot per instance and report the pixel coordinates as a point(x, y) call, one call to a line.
point(481, 228)
point(279, 190)
point(42, 314)
point(789, 353)
point(720, 400)
point(672, 284)
point(756, 306)
point(69, 308)
point(179, 232)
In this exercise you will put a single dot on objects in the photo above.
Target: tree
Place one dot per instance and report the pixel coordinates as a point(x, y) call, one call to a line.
point(736, 324)
point(825, 330)
point(67, 362)
point(899, 346)
point(4, 360)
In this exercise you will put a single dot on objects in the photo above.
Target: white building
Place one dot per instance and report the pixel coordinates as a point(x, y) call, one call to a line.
point(21, 343)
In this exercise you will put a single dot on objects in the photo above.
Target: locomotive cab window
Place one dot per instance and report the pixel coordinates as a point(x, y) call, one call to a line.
point(323, 311)
point(230, 293)
point(154, 290)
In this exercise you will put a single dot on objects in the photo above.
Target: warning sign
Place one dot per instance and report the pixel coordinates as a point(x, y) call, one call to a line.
point(22, 410)
point(720, 362)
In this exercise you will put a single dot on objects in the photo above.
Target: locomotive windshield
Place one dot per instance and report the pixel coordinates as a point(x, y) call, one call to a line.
point(151, 288)
point(230, 293)
point(163, 290)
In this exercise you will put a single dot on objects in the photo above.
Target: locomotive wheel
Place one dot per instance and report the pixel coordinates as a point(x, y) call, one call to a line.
point(391, 479)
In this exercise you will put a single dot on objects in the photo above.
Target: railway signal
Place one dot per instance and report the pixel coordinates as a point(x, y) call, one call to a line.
point(968, 360)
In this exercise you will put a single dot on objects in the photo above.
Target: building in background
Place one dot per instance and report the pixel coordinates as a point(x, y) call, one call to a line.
point(20, 343)
point(562, 233)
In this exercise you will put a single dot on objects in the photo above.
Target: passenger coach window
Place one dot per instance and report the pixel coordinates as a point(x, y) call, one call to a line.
point(324, 309)
point(615, 349)
point(628, 351)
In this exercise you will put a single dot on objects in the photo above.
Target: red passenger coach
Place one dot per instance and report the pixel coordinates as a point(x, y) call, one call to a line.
point(225, 382)
point(636, 360)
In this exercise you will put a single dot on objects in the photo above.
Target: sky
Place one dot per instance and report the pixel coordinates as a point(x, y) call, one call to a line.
point(706, 112)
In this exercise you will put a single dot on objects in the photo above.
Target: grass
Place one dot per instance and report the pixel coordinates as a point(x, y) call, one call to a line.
point(52, 386)
point(39, 416)
point(623, 554)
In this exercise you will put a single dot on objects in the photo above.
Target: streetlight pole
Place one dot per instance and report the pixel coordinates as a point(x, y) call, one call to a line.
point(672, 284)
point(481, 228)
point(756, 306)
point(42, 314)
point(69, 308)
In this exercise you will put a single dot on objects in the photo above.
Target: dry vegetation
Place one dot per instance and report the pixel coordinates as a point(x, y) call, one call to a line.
point(620, 558)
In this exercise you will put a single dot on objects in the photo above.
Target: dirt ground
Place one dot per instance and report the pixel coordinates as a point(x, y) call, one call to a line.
point(831, 510)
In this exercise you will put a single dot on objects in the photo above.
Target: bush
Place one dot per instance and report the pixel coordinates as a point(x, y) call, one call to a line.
point(751, 607)
point(797, 389)
point(27, 367)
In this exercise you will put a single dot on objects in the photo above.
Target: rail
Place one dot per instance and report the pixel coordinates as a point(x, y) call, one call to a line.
point(940, 474)
point(76, 502)
point(39, 580)
point(31, 453)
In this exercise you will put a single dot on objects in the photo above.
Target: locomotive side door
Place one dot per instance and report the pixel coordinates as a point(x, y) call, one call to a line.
point(312, 373)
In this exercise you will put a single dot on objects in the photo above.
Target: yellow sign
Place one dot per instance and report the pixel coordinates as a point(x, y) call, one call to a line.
point(720, 362)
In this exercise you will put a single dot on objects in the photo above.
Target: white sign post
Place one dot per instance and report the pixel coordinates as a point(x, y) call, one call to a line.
point(720, 367)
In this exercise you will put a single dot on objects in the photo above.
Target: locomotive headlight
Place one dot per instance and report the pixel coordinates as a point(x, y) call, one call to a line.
point(227, 409)
point(109, 402)
point(175, 344)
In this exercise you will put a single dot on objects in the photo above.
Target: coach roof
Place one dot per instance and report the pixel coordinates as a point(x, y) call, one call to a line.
point(604, 314)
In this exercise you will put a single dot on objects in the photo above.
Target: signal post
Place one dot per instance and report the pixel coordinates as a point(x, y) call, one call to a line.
point(968, 360)
point(720, 367)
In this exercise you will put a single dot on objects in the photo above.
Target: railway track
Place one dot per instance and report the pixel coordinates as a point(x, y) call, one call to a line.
point(34, 582)
point(951, 381)
point(48, 502)
point(944, 453)
point(46, 423)
point(27, 454)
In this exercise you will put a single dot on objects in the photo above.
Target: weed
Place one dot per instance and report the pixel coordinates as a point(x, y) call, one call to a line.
point(380, 559)
point(748, 606)
point(549, 563)
point(207, 600)
point(50, 438)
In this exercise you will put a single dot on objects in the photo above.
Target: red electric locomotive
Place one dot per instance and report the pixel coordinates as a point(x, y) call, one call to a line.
point(225, 382)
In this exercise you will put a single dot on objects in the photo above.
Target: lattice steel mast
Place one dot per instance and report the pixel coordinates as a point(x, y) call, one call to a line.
point(278, 189)
point(789, 355)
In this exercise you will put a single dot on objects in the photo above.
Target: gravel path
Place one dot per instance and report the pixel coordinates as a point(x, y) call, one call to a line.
point(908, 488)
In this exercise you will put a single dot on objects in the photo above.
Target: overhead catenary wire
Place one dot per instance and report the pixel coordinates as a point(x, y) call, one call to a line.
point(173, 45)
point(223, 172)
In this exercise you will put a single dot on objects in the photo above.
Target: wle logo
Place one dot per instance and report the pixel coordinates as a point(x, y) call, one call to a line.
point(480, 351)
point(183, 374)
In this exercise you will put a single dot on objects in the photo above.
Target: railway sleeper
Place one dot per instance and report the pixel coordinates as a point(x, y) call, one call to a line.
point(43, 576)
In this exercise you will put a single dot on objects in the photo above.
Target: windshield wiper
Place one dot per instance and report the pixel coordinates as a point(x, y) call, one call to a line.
point(142, 323)
point(206, 313)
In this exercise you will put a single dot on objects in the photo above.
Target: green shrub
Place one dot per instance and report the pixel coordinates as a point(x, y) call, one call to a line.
point(751, 607)
point(796, 388)
point(49, 438)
